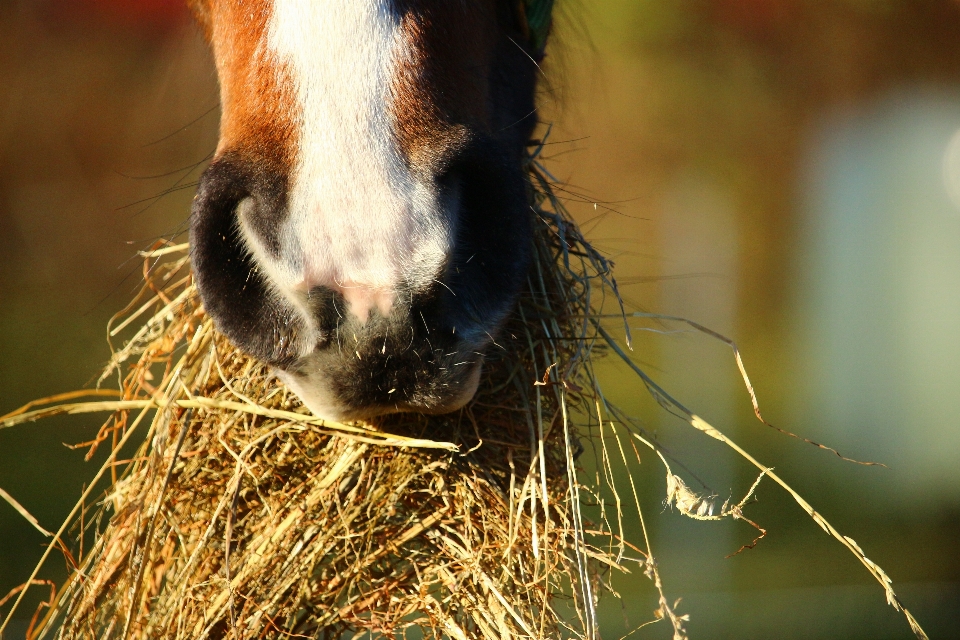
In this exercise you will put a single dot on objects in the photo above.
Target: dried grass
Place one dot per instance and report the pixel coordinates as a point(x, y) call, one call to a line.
point(242, 516)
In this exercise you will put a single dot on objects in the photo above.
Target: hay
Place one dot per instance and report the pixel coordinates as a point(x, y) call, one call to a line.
point(242, 516)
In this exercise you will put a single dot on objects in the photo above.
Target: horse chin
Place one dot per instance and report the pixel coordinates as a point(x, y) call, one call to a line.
point(315, 393)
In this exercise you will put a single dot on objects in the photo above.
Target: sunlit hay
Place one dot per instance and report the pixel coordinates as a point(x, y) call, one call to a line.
point(242, 516)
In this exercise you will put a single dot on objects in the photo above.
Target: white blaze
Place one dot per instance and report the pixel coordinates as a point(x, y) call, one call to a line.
point(358, 222)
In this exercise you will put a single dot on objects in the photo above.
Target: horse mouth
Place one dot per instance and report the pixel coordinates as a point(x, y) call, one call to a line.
point(346, 395)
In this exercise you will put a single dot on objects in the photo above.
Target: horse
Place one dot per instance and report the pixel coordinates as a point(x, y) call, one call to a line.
point(364, 227)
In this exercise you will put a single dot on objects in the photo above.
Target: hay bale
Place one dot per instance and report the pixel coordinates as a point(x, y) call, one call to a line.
point(243, 516)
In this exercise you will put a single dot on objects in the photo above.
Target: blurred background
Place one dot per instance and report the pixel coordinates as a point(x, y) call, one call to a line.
point(786, 172)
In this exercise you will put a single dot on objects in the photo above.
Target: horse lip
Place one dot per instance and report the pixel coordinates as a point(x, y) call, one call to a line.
point(466, 394)
point(447, 405)
point(328, 406)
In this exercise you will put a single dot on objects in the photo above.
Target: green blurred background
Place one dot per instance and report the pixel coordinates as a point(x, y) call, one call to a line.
point(786, 172)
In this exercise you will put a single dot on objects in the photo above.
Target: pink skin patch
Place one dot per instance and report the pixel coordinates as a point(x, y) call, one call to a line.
point(362, 299)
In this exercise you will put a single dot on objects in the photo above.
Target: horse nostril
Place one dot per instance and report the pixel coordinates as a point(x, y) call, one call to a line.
point(326, 309)
point(234, 291)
